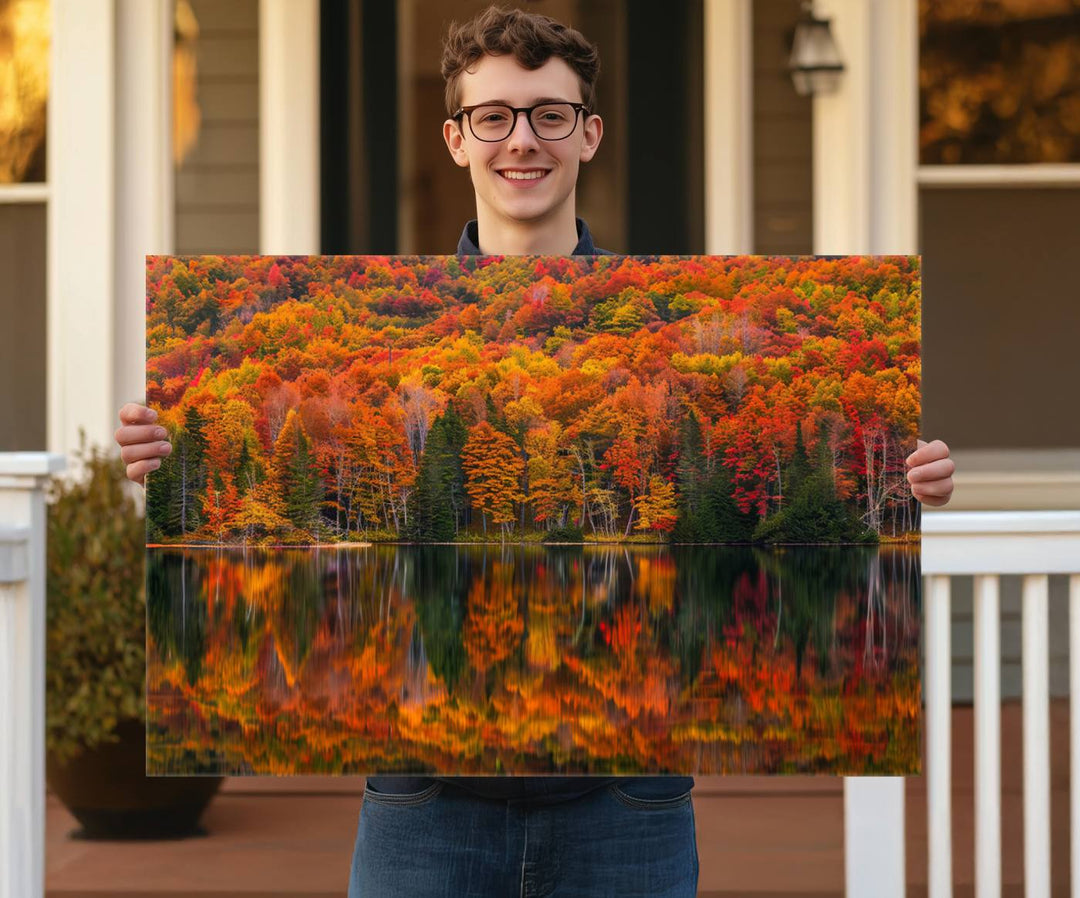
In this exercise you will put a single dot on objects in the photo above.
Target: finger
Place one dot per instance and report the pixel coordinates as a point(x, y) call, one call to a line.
point(934, 489)
point(927, 452)
point(139, 451)
point(934, 501)
point(935, 470)
point(133, 413)
point(138, 470)
point(131, 434)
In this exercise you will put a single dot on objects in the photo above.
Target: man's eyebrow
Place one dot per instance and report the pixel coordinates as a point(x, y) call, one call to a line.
point(536, 102)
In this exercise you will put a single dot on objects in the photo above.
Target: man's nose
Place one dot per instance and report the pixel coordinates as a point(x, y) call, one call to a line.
point(522, 133)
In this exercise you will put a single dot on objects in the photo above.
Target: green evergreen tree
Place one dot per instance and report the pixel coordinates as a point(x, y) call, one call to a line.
point(798, 469)
point(160, 492)
point(248, 472)
point(431, 516)
point(690, 482)
point(457, 434)
point(814, 515)
point(304, 489)
point(722, 521)
point(189, 481)
point(690, 472)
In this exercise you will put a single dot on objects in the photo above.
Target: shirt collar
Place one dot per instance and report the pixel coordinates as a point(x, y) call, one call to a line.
point(469, 244)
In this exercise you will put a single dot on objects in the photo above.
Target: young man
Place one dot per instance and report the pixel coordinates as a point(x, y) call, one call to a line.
point(520, 95)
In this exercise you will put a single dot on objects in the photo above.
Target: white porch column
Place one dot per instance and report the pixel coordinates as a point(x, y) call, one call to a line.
point(866, 134)
point(110, 177)
point(865, 196)
point(80, 255)
point(144, 194)
point(894, 132)
point(289, 127)
point(729, 127)
point(23, 479)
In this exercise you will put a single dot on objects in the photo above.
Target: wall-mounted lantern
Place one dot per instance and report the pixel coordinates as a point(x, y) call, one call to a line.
point(815, 61)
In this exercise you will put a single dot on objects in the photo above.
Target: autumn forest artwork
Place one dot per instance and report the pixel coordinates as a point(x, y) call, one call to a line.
point(522, 515)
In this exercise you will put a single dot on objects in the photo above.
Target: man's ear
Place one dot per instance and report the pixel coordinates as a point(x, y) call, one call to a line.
point(594, 130)
point(455, 142)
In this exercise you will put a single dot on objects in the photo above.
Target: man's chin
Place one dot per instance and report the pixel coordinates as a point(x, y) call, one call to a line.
point(528, 210)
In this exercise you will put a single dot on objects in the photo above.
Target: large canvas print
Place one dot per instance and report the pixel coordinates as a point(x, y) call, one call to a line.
point(533, 515)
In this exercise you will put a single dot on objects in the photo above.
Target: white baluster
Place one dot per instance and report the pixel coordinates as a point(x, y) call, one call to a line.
point(987, 738)
point(1036, 718)
point(938, 737)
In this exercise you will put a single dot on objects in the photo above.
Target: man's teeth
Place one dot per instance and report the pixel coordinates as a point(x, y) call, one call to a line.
point(523, 175)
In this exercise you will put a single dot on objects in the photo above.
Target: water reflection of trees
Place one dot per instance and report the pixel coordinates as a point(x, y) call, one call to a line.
point(569, 659)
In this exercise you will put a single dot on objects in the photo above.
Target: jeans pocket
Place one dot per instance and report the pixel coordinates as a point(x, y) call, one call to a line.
point(404, 799)
point(650, 802)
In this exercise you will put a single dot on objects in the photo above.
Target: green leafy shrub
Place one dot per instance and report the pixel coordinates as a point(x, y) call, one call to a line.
point(568, 533)
point(95, 617)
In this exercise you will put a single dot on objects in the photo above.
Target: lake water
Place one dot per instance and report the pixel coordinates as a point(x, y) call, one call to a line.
point(528, 659)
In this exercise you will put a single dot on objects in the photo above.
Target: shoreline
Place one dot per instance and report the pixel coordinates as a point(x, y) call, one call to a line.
point(916, 542)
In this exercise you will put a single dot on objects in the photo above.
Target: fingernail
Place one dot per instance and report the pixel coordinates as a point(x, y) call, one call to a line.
point(153, 414)
point(163, 448)
point(160, 434)
point(154, 465)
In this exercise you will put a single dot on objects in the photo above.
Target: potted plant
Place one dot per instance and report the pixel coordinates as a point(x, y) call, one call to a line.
point(95, 708)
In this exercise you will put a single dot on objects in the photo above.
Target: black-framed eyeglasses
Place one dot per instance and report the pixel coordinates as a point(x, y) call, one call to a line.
point(492, 122)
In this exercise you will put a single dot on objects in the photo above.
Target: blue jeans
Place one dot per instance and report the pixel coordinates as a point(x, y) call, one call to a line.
point(620, 840)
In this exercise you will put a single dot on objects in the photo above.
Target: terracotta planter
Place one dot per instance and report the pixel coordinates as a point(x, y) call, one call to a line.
point(108, 792)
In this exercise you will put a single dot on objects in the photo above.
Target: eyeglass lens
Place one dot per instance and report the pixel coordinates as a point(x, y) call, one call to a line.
point(552, 121)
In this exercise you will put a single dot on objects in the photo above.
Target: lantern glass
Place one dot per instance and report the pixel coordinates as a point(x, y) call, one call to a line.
point(815, 61)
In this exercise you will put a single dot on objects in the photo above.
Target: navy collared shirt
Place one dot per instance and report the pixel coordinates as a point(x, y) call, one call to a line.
point(549, 787)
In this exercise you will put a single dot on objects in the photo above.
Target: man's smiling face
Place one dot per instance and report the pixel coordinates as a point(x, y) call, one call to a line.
point(522, 178)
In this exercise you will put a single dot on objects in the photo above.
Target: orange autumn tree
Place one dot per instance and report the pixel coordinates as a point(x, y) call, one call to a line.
point(379, 469)
point(221, 507)
point(493, 470)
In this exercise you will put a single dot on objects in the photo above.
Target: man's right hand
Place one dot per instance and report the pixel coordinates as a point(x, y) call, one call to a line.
point(142, 442)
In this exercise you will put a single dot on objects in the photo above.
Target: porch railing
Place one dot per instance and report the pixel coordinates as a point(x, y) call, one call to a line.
point(988, 545)
point(23, 480)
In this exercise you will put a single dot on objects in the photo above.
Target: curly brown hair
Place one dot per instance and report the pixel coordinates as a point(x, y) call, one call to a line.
point(532, 39)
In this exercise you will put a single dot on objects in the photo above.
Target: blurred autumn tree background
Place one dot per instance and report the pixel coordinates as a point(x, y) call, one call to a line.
point(24, 89)
point(999, 81)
